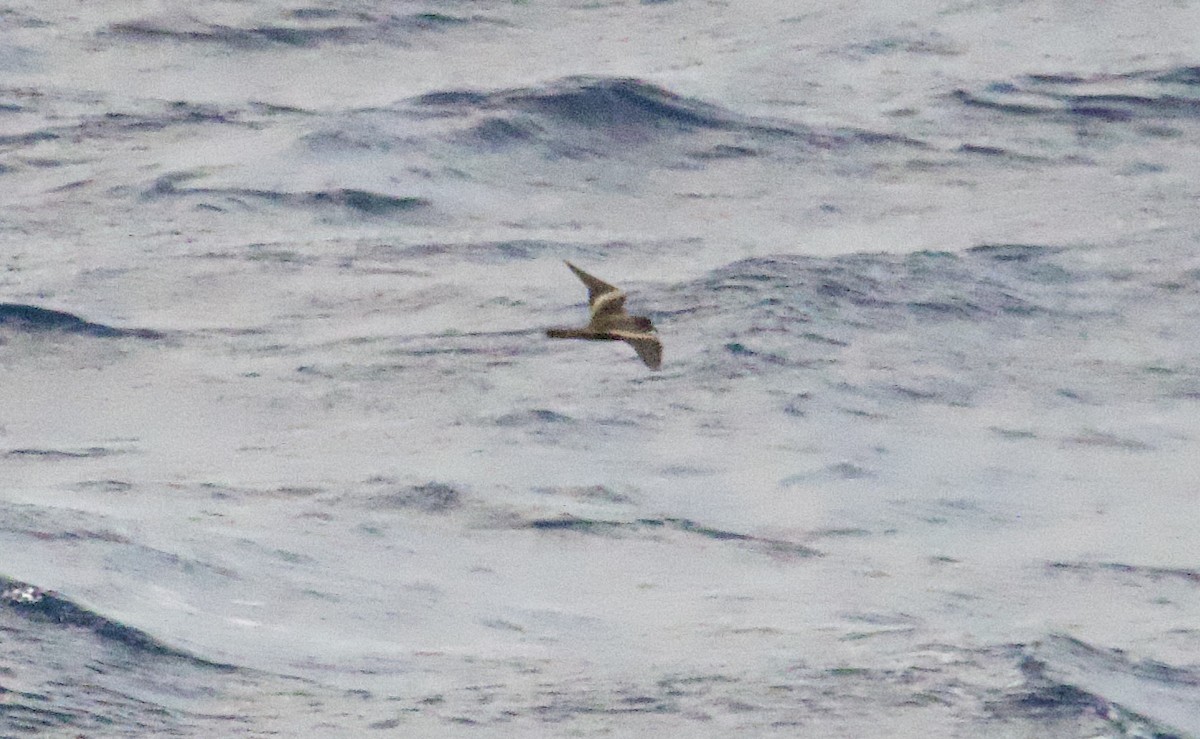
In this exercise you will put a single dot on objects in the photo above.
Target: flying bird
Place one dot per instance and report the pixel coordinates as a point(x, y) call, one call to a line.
point(610, 322)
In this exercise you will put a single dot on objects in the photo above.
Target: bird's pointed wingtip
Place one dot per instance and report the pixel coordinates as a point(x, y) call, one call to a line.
point(578, 272)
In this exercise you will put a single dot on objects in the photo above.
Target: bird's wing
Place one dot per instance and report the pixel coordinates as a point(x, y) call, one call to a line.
point(604, 299)
point(608, 306)
point(647, 346)
point(596, 287)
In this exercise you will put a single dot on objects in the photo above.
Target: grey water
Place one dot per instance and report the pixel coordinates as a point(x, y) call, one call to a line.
point(284, 450)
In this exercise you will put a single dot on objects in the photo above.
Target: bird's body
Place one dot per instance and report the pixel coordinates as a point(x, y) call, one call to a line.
point(610, 322)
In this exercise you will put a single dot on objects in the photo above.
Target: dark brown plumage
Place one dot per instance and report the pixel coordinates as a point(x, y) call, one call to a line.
point(610, 322)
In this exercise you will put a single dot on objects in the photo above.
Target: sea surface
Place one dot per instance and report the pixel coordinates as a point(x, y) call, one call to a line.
point(284, 450)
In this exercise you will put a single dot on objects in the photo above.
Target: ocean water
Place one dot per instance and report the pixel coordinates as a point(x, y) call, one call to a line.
point(284, 451)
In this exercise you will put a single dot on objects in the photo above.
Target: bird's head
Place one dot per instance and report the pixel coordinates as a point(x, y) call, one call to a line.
point(643, 323)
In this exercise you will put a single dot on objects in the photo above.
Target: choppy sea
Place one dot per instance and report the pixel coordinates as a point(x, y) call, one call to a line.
point(285, 452)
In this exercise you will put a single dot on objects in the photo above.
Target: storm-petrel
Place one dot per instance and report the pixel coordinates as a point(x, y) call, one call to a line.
point(610, 322)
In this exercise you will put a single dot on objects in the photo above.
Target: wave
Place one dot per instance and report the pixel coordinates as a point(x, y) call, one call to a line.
point(594, 118)
point(1120, 569)
point(579, 118)
point(431, 497)
point(648, 526)
point(601, 102)
point(1132, 97)
point(83, 674)
point(987, 281)
point(36, 604)
point(61, 454)
point(144, 116)
point(591, 116)
point(941, 311)
point(35, 319)
point(1148, 698)
point(627, 108)
point(301, 28)
point(362, 202)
